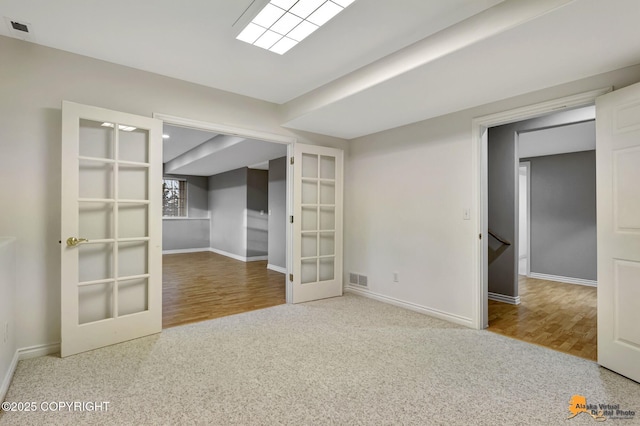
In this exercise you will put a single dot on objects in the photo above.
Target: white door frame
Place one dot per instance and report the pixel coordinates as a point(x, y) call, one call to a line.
point(527, 166)
point(480, 173)
point(252, 134)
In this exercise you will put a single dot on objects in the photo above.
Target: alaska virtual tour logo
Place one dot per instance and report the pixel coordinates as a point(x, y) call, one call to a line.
point(599, 412)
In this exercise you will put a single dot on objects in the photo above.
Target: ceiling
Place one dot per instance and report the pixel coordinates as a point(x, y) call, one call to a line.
point(377, 65)
point(575, 137)
point(195, 152)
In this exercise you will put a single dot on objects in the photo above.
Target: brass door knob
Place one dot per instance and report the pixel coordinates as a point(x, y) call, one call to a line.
point(73, 241)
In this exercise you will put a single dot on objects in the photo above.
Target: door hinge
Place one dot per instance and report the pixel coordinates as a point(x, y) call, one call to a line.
point(480, 236)
point(290, 277)
point(291, 219)
point(292, 160)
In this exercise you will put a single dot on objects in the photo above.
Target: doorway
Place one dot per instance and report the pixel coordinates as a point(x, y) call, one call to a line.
point(480, 156)
point(227, 252)
point(545, 301)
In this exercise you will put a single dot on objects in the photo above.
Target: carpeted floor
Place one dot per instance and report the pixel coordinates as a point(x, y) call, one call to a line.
point(347, 360)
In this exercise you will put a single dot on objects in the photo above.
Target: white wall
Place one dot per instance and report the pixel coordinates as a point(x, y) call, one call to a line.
point(405, 192)
point(7, 311)
point(33, 82)
point(523, 242)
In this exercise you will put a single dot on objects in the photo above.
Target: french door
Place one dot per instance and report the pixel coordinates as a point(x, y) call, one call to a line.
point(111, 254)
point(317, 223)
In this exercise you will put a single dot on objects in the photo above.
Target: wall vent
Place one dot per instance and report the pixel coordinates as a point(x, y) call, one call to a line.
point(362, 280)
point(19, 29)
point(353, 278)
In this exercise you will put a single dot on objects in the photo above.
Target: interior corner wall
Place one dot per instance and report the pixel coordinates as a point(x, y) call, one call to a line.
point(8, 286)
point(405, 191)
point(192, 232)
point(227, 207)
point(278, 212)
point(257, 213)
point(34, 82)
point(563, 215)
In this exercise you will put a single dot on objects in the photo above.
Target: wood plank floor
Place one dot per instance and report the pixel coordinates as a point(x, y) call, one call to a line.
point(205, 285)
point(556, 315)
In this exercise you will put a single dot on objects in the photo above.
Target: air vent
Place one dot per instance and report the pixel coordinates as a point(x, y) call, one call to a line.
point(353, 278)
point(362, 280)
point(19, 27)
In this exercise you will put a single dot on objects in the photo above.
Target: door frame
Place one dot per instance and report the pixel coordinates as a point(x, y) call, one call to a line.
point(527, 166)
point(290, 141)
point(479, 158)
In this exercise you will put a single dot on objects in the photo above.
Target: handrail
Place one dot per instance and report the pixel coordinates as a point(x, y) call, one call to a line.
point(502, 240)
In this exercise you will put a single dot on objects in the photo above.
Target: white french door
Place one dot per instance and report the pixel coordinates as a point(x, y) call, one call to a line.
point(111, 250)
point(618, 193)
point(317, 226)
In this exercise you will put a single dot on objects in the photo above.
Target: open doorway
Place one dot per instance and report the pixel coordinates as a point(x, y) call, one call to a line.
point(225, 239)
point(542, 238)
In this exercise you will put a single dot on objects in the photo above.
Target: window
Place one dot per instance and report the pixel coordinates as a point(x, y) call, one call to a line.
point(174, 197)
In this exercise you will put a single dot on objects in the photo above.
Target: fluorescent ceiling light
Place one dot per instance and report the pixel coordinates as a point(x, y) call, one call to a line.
point(120, 126)
point(281, 24)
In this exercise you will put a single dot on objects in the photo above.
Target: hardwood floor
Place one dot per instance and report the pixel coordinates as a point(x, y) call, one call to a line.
point(556, 315)
point(205, 285)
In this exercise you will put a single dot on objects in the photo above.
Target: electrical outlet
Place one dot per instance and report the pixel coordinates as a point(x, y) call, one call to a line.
point(396, 278)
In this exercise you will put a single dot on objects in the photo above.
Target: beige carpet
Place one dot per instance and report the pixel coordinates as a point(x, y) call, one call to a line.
point(348, 360)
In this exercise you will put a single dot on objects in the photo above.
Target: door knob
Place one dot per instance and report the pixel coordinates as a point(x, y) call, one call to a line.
point(73, 241)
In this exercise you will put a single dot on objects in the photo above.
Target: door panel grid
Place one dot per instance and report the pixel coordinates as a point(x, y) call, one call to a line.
point(111, 262)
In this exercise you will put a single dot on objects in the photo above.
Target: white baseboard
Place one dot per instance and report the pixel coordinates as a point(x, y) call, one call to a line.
point(504, 298)
point(38, 350)
point(467, 322)
point(567, 280)
point(25, 353)
point(6, 380)
point(191, 250)
point(238, 257)
point(277, 268)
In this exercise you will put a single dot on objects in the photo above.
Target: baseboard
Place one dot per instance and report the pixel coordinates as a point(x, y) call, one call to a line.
point(467, 322)
point(504, 298)
point(567, 280)
point(38, 350)
point(6, 381)
point(25, 353)
point(191, 250)
point(238, 257)
point(277, 268)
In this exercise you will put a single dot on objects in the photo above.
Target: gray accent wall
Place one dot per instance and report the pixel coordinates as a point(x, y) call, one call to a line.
point(257, 212)
point(503, 162)
point(191, 232)
point(278, 212)
point(563, 215)
point(227, 204)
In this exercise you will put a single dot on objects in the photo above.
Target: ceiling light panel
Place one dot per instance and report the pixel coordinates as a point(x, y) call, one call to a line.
point(281, 24)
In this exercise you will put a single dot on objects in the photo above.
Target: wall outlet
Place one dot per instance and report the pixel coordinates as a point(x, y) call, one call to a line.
point(396, 278)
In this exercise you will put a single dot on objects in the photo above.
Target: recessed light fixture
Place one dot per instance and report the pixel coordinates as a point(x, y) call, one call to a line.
point(120, 126)
point(282, 24)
